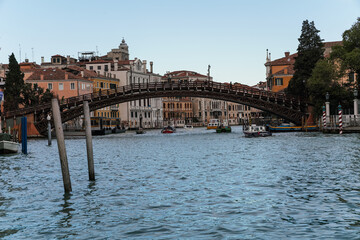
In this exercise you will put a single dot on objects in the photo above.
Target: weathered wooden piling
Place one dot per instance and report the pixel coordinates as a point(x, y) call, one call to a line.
point(24, 135)
point(61, 145)
point(89, 146)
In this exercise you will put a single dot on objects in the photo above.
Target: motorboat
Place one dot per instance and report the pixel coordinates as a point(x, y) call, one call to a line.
point(287, 127)
point(223, 128)
point(8, 144)
point(213, 124)
point(254, 130)
point(188, 127)
point(168, 129)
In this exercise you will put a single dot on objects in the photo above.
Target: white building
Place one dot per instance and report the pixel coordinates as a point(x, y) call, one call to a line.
point(116, 64)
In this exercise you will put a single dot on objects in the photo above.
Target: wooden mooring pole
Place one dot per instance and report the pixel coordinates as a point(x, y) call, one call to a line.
point(89, 146)
point(24, 135)
point(61, 145)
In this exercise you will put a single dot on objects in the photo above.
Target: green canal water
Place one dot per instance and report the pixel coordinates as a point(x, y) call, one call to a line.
point(193, 184)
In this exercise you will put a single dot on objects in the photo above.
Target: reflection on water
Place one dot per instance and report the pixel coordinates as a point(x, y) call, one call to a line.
point(192, 184)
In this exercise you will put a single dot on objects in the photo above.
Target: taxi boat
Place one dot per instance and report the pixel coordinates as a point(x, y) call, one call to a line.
point(254, 130)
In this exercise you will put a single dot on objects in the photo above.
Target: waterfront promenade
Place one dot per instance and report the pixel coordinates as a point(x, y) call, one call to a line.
point(194, 184)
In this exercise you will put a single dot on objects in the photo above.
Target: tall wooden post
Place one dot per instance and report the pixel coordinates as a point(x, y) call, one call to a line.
point(24, 135)
point(89, 146)
point(61, 145)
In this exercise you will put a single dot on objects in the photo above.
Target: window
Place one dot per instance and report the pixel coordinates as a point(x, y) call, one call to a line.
point(101, 84)
point(91, 68)
point(132, 114)
point(54, 60)
point(278, 81)
point(50, 86)
point(61, 86)
point(58, 60)
point(106, 68)
point(72, 86)
point(99, 67)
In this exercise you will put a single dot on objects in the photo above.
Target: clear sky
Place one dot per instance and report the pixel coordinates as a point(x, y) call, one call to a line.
point(230, 35)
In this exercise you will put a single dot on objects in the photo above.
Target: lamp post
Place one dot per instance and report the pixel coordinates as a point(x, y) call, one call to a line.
point(327, 106)
point(48, 118)
point(356, 106)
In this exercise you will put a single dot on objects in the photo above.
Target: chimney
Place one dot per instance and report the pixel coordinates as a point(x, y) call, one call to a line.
point(82, 73)
point(66, 76)
point(42, 60)
point(116, 65)
point(285, 70)
point(68, 59)
point(151, 67)
point(26, 60)
point(287, 54)
point(41, 76)
point(144, 63)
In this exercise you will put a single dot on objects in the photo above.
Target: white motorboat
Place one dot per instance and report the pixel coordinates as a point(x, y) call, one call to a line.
point(254, 130)
point(7, 145)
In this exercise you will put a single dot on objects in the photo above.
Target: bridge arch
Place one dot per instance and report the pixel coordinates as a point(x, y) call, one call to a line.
point(281, 105)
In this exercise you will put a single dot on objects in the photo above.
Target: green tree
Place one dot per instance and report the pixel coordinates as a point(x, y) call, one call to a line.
point(14, 84)
point(324, 79)
point(34, 95)
point(310, 50)
point(348, 55)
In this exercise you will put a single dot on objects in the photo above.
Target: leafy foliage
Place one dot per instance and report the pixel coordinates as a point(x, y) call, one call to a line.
point(348, 55)
point(310, 50)
point(34, 95)
point(17, 92)
point(324, 79)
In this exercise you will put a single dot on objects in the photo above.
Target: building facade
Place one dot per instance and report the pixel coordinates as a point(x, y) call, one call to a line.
point(116, 64)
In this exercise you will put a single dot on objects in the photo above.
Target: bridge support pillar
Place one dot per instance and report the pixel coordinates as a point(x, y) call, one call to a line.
point(89, 146)
point(61, 145)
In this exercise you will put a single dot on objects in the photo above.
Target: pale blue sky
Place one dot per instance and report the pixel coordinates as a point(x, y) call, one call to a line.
point(231, 35)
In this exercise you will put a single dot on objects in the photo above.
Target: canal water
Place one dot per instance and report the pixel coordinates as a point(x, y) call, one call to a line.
point(193, 184)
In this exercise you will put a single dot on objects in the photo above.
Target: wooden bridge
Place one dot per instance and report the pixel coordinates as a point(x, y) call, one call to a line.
point(289, 108)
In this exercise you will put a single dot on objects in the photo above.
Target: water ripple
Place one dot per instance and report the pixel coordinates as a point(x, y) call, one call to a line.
point(189, 185)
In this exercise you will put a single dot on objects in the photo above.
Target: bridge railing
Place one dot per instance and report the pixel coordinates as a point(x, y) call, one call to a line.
point(156, 86)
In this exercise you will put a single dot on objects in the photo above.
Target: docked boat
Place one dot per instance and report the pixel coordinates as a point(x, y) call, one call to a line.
point(256, 131)
point(213, 124)
point(168, 129)
point(287, 127)
point(188, 127)
point(7, 144)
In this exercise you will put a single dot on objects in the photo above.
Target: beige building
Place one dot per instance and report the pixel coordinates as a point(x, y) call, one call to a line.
point(116, 64)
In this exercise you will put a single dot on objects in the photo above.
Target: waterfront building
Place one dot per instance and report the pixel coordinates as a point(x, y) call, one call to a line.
point(203, 109)
point(116, 64)
point(109, 116)
point(177, 111)
point(280, 71)
point(63, 84)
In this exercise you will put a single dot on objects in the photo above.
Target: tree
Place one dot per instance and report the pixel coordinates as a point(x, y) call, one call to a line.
point(14, 84)
point(348, 55)
point(324, 79)
point(310, 50)
point(34, 95)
